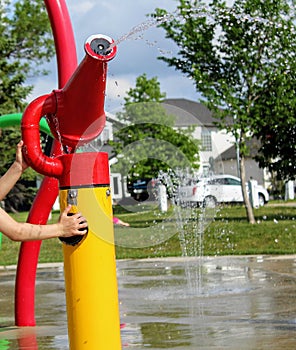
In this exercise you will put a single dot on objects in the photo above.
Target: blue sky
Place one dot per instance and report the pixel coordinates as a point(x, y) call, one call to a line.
point(135, 56)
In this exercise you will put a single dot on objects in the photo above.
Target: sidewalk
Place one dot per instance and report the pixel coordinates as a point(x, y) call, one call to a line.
point(282, 204)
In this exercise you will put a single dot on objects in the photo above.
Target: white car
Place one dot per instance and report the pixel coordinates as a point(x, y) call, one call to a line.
point(218, 189)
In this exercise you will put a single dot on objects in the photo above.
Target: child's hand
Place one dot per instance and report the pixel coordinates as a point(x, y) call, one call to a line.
point(19, 159)
point(72, 225)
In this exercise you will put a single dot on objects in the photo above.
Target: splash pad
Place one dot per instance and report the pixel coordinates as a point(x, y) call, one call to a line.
point(146, 333)
point(244, 303)
point(75, 114)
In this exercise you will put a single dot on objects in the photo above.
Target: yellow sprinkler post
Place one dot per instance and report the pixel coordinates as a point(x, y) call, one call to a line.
point(89, 261)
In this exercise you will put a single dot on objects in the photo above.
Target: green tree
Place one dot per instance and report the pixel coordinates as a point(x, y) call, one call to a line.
point(278, 134)
point(23, 193)
point(234, 54)
point(147, 141)
point(25, 43)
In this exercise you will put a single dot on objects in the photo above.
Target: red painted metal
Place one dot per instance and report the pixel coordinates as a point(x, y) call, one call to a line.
point(75, 113)
point(31, 136)
point(80, 111)
point(47, 194)
point(64, 39)
point(82, 169)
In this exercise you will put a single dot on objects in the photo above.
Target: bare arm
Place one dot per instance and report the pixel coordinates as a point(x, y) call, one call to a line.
point(8, 180)
point(66, 227)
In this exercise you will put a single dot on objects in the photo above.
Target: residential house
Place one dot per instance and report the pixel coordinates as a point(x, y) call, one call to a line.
point(218, 152)
point(213, 141)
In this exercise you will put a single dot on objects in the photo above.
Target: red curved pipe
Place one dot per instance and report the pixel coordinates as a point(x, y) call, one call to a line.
point(64, 37)
point(47, 194)
point(31, 136)
point(75, 113)
point(62, 104)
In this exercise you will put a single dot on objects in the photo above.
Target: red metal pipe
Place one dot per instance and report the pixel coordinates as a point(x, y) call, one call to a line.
point(61, 104)
point(80, 111)
point(31, 136)
point(75, 113)
point(28, 256)
point(64, 38)
point(47, 194)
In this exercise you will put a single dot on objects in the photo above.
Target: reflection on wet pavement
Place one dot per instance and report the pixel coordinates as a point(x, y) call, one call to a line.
point(237, 303)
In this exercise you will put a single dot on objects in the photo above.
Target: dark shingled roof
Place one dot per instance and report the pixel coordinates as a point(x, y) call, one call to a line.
point(230, 153)
point(189, 112)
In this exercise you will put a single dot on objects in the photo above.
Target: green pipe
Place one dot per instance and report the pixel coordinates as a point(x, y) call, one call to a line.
point(14, 119)
point(4, 344)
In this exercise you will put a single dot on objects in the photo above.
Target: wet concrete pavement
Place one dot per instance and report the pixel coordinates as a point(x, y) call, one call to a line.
point(175, 303)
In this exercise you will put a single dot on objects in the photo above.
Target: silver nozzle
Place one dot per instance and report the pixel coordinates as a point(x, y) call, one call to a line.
point(100, 46)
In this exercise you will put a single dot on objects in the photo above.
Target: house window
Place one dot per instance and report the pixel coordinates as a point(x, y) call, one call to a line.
point(205, 170)
point(115, 185)
point(206, 140)
point(105, 134)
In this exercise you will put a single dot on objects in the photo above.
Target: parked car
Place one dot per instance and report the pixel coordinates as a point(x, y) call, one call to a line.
point(140, 189)
point(217, 189)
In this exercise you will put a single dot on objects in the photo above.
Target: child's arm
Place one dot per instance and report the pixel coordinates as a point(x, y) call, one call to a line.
point(67, 226)
point(9, 179)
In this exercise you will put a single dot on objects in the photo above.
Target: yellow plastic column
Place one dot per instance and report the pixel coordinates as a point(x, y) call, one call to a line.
point(90, 275)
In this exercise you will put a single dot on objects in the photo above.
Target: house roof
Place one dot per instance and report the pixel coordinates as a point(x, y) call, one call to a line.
point(230, 153)
point(189, 112)
point(112, 118)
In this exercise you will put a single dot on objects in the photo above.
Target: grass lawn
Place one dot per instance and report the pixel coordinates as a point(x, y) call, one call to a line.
point(153, 234)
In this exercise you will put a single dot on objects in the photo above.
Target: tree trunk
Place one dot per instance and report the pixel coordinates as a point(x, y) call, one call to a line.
point(248, 205)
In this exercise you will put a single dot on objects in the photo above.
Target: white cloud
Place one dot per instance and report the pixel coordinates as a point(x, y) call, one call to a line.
point(82, 7)
point(116, 91)
point(178, 86)
point(43, 86)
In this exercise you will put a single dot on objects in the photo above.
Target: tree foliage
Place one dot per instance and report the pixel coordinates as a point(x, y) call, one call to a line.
point(25, 43)
point(22, 195)
point(277, 131)
point(147, 141)
point(235, 54)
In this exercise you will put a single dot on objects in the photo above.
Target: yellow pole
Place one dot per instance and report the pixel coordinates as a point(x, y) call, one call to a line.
point(90, 273)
